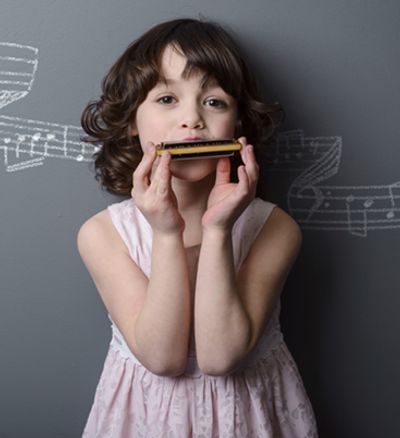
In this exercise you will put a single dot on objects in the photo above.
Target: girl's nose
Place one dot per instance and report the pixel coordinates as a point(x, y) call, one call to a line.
point(192, 119)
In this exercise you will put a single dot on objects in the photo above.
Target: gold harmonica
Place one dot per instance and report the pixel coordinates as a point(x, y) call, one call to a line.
point(185, 150)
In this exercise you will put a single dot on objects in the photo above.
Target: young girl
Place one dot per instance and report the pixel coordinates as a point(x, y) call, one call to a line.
point(191, 266)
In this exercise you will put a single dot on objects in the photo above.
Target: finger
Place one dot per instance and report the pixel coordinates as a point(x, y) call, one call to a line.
point(251, 164)
point(249, 159)
point(141, 176)
point(162, 176)
point(223, 171)
point(243, 186)
point(243, 141)
point(154, 167)
point(250, 173)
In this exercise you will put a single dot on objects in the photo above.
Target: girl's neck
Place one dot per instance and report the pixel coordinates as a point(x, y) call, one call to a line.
point(192, 197)
point(192, 200)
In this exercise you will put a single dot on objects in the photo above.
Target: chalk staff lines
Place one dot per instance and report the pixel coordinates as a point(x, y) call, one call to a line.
point(27, 143)
point(356, 209)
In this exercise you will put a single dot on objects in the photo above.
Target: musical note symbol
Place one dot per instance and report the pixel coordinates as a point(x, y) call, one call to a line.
point(25, 137)
point(368, 203)
point(20, 140)
point(7, 141)
point(35, 138)
point(46, 144)
point(391, 214)
point(353, 218)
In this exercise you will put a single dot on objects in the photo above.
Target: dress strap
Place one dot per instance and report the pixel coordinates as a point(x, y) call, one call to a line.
point(247, 227)
point(134, 230)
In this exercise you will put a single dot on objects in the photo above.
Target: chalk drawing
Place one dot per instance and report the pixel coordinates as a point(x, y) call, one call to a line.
point(356, 209)
point(27, 143)
point(18, 65)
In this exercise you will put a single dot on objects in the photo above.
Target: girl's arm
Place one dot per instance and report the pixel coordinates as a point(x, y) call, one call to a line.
point(232, 310)
point(152, 314)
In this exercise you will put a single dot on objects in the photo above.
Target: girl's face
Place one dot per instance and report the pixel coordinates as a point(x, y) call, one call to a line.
point(178, 109)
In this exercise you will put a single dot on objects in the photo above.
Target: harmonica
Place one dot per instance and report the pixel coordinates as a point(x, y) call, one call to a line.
point(187, 150)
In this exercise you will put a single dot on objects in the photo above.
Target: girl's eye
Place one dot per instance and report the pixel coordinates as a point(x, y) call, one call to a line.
point(216, 103)
point(166, 100)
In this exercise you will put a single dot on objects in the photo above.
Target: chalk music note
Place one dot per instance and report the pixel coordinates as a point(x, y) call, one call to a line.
point(29, 142)
point(356, 209)
point(34, 139)
point(316, 206)
point(368, 203)
point(393, 197)
point(20, 139)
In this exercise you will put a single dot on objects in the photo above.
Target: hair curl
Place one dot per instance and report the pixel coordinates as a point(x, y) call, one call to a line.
point(108, 122)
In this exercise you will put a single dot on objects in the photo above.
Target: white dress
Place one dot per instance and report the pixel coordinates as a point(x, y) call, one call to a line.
point(264, 399)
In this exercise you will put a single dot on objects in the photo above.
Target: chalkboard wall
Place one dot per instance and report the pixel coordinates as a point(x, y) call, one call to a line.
point(334, 66)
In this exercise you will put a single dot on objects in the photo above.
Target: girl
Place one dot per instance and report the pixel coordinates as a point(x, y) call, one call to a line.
point(190, 267)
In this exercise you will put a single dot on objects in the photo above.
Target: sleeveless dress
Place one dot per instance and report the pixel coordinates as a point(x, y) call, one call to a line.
point(265, 398)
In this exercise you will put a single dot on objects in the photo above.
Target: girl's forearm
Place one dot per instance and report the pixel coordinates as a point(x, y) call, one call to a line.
point(163, 326)
point(222, 326)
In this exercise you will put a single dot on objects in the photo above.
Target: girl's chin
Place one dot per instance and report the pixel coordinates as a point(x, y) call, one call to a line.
point(193, 170)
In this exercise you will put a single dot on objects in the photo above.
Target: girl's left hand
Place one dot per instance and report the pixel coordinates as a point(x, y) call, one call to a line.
point(228, 200)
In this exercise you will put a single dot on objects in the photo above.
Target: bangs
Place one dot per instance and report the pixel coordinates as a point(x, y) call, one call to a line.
point(214, 61)
point(209, 51)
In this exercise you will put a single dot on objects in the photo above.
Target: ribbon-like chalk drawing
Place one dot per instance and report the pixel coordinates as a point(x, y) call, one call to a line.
point(27, 143)
point(356, 209)
point(316, 206)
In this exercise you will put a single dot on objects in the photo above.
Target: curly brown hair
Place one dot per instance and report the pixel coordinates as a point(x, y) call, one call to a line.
point(208, 48)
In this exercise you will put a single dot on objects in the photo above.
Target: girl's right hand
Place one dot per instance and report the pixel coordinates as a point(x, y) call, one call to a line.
point(153, 194)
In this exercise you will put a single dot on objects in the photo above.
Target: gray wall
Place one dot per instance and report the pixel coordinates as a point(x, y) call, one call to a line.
point(334, 66)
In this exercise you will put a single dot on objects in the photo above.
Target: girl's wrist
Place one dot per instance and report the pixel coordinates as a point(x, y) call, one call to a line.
point(218, 233)
point(170, 236)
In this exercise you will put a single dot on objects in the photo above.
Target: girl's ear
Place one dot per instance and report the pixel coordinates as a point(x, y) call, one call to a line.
point(134, 131)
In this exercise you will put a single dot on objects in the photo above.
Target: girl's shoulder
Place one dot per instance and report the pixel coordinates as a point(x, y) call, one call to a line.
point(103, 218)
point(122, 216)
point(108, 227)
point(267, 219)
point(279, 227)
point(96, 231)
point(263, 209)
